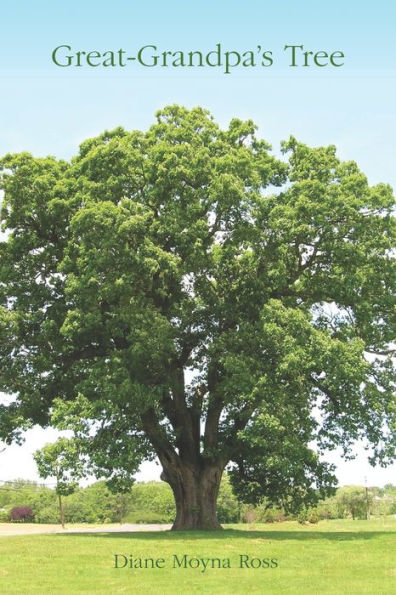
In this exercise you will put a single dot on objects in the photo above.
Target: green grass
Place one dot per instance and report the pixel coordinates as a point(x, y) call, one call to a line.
point(331, 557)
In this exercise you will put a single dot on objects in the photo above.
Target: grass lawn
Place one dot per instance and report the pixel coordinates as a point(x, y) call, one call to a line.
point(331, 557)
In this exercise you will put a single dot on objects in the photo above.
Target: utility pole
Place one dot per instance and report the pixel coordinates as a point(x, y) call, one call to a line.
point(367, 500)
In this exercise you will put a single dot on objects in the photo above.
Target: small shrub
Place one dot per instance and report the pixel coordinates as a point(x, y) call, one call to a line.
point(313, 516)
point(4, 516)
point(302, 516)
point(249, 516)
point(270, 516)
point(22, 514)
point(273, 515)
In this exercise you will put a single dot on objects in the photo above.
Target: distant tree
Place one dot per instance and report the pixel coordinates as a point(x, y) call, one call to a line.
point(390, 488)
point(153, 497)
point(182, 293)
point(355, 501)
point(228, 507)
point(62, 461)
point(98, 503)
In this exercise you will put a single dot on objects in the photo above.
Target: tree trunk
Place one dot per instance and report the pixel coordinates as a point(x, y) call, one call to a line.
point(195, 492)
point(61, 511)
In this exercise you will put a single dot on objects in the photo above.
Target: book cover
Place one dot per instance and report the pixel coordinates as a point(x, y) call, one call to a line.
point(197, 297)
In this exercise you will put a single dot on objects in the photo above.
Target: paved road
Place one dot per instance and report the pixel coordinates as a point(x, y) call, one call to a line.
point(9, 529)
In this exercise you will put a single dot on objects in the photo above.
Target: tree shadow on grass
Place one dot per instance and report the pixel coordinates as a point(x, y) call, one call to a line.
point(227, 534)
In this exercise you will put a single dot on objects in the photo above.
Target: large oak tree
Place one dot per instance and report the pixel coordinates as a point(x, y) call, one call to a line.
point(182, 293)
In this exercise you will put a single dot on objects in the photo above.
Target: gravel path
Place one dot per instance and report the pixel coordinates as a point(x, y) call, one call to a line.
point(10, 529)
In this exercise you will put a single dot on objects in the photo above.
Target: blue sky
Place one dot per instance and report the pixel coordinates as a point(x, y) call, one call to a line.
point(45, 109)
point(48, 110)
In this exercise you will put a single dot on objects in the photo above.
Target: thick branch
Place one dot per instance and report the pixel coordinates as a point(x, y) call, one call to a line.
point(215, 408)
point(328, 394)
point(183, 419)
point(157, 436)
